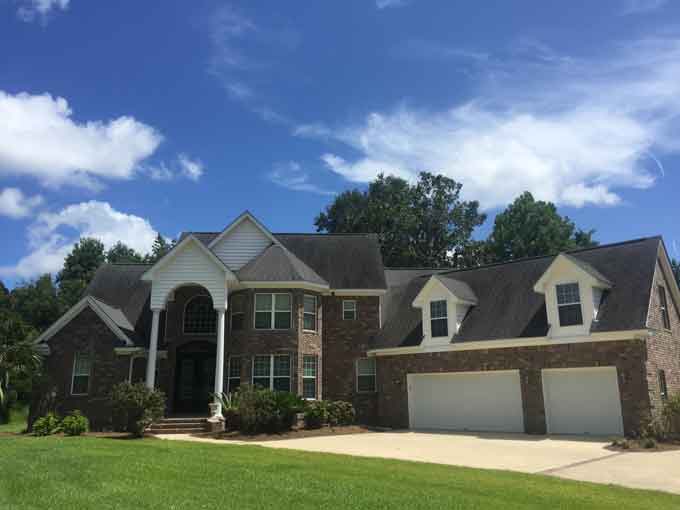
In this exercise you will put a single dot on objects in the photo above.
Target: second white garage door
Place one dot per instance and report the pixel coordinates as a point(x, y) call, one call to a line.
point(475, 401)
point(582, 401)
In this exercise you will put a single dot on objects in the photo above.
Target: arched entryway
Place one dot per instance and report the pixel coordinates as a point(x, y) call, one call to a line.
point(194, 377)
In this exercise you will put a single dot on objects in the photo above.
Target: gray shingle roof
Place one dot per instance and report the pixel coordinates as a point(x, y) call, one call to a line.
point(508, 307)
point(459, 288)
point(277, 264)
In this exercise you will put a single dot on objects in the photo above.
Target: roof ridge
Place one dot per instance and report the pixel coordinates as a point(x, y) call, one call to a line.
point(324, 234)
point(129, 263)
point(538, 257)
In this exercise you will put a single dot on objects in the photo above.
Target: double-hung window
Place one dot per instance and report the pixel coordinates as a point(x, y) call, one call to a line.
point(234, 374)
point(272, 371)
point(238, 312)
point(309, 315)
point(663, 307)
point(309, 376)
point(366, 375)
point(349, 310)
point(569, 304)
point(80, 381)
point(663, 387)
point(439, 321)
point(273, 311)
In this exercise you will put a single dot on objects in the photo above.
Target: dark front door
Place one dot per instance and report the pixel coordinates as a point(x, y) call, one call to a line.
point(195, 381)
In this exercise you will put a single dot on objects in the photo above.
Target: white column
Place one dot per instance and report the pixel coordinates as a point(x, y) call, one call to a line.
point(219, 363)
point(153, 351)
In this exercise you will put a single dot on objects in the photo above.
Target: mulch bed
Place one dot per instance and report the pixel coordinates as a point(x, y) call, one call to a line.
point(294, 434)
point(636, 445)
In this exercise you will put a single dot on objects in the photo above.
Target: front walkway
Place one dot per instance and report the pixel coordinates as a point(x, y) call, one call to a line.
point(574, 458)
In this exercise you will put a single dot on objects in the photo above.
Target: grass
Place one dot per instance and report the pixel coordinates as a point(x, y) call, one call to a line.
point(87, 472)
point(17, 419)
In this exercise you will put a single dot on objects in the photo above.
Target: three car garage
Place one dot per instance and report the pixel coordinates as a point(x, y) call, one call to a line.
point(576, 400)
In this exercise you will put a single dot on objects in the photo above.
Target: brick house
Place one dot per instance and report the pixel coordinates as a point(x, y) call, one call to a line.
point(585, 342)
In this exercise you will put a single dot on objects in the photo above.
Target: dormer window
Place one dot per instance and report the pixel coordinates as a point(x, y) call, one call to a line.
point(439, 321)
point(569, 304)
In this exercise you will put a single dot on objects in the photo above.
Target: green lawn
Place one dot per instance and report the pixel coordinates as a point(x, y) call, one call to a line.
point(99, 473)
point(17, 419)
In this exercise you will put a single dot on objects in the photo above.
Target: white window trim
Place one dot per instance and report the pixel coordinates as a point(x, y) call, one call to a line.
point(184, 314)
point(272, 311)
point(271, 370)
point(316, 314)
point(354, 309)
point(375, 375)
point(229, 376)
point(579, 302)
point(315, 377)
point(445, 317)
point(73, 375)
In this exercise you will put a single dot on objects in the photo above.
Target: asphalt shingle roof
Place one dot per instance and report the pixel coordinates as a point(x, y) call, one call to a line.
point(277, 264)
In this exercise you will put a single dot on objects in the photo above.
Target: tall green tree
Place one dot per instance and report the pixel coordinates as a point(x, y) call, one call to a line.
point(159, 248)
point(37, 302)
point(4, 297)
point(79, 268)
point(421, 224)
point(529, 227)
point(18, 357)
point(120, 253)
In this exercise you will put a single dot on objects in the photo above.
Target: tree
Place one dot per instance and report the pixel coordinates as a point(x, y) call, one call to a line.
point(425, 224)
point(675, 264)
point(120, 253)
point(4, 297)
point(159, 248)
point(18, 357)
point(37, 302)
point(529, 228)
point(79, 268)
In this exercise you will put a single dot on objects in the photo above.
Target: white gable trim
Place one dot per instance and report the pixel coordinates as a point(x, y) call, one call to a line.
point(244, 216)
point(73, 312)
point(149, 274)
point(434, 282)
point(548, 276)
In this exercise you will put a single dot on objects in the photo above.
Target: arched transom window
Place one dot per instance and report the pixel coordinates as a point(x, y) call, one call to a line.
point(200, 316)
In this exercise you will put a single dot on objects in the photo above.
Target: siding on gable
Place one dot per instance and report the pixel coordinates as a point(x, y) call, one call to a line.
point(241, 245)
point(190, 266)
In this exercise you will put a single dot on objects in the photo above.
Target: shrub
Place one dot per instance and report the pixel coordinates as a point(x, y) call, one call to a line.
point(316, 414)
point(264, 410)
point(648, 442)
point(75, 424)
point(137, 406)
point(230, 411)
point(340, 413)
point(47, 425)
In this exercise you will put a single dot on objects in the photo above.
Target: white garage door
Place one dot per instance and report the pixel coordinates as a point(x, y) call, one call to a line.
point(582, 401)
point(476, 401)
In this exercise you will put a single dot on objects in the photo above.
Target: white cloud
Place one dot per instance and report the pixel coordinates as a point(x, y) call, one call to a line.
point(184, 166)
point(642, 6)
point(384, 4)
point(53, 235)
point(574, 133)
point(15, 204)
point(40, 138)
point(291, 176)
point(30, 10)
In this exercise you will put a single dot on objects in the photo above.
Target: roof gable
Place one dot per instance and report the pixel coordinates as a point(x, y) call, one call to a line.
point(277, 264)
point(568, 264)
point(242, 241)
point(458, 290)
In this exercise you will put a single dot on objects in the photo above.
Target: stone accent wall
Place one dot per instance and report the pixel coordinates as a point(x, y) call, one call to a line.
point(628, 356)
point(344, 342)
point(663, 345)
point(86, 333)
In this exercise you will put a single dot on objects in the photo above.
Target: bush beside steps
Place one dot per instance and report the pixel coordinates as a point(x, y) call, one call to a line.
point(73, 424)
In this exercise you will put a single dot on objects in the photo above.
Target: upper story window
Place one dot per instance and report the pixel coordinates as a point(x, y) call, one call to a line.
point(569, 304)
point(199, 316)
point(349, 310)
point(663, 307)
point(309, 315)
point(80, 381)
point(273, 311)
point(439, 321)
point(238, 312)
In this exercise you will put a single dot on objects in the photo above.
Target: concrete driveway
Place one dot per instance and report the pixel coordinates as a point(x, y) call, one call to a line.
point(575, 458)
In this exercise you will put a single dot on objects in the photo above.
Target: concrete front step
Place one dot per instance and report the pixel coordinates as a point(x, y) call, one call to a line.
point(179, 425)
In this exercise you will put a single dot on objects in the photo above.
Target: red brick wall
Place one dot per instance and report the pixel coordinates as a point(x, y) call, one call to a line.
point(663, 345)
point(627, 356)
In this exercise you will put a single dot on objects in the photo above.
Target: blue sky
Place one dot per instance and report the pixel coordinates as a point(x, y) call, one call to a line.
point(123, 119)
